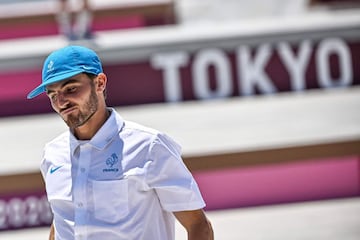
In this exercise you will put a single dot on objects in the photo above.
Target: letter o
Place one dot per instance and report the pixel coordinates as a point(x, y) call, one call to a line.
point(338, 47)
point(203, 60)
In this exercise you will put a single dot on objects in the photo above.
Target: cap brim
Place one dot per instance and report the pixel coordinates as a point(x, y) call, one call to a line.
point(42, 87)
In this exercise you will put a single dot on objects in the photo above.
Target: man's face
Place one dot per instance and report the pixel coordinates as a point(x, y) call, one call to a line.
point(74, 99)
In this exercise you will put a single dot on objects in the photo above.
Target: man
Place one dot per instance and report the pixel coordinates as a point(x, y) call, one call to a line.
point(107, 178)
point(83, 21)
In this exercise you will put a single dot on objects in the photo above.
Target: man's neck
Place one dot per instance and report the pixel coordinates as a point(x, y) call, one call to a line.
point(90, 128)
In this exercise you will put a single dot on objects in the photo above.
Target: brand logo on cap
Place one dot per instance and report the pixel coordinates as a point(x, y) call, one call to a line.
point(50, 66)
point(86, 67)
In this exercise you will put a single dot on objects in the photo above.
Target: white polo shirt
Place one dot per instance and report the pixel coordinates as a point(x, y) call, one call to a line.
point(123, 184)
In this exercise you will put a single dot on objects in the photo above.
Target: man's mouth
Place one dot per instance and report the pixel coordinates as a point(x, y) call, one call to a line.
point(67, 111)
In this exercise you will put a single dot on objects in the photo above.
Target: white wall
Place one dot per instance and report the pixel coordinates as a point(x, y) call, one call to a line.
point(218, 10)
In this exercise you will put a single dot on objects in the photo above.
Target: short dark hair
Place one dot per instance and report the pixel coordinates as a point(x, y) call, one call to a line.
point(92, 77)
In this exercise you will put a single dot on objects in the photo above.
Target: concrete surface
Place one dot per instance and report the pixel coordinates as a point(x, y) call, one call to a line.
point(323, 220)
point(240, 124)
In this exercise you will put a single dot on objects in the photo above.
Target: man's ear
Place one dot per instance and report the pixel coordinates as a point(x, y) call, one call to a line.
point(101, 82)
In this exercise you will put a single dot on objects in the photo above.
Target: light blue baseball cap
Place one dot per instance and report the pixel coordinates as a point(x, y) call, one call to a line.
point(65, 63)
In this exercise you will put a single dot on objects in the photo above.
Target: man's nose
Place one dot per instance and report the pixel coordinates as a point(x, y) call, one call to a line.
point(62, 100)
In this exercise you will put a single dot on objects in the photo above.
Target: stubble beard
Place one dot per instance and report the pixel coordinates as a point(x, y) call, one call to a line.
point(75, 120)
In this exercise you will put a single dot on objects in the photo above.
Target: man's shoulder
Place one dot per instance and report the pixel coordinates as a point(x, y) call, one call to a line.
point(53, 149)
point(137, 128)
point(60, 140)
point(144, 133)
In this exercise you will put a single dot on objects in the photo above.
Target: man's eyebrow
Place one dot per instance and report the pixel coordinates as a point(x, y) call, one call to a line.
point(70, 81)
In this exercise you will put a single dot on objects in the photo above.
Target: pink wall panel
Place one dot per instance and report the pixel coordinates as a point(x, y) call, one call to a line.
point(279, 183)
point(17, 84)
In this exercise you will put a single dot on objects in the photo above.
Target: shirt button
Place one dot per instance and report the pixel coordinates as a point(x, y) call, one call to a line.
point(80, 205)
point(82, 170)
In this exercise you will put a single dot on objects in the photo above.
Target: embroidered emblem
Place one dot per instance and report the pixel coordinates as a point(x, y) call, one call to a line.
point(110, 162)
point(50, 66)
point(86, 67)
point(54, 169)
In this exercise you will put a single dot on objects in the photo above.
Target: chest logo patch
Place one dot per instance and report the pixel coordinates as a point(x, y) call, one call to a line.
point(54, 169)
point(111, 162)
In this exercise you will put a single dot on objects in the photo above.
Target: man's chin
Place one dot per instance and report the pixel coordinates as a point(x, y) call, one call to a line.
point(72, 122)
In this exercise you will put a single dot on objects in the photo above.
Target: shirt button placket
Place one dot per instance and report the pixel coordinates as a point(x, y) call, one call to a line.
point(80, 192)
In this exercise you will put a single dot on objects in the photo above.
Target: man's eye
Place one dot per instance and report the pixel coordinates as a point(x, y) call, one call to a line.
point(71, 89)
point(53, 97)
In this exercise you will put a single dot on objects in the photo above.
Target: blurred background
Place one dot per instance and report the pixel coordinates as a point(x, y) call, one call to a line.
point(263, 95)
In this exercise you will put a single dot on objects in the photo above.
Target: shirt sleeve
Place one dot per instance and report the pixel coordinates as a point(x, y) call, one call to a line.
point(44, 166)
point(172, 181)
